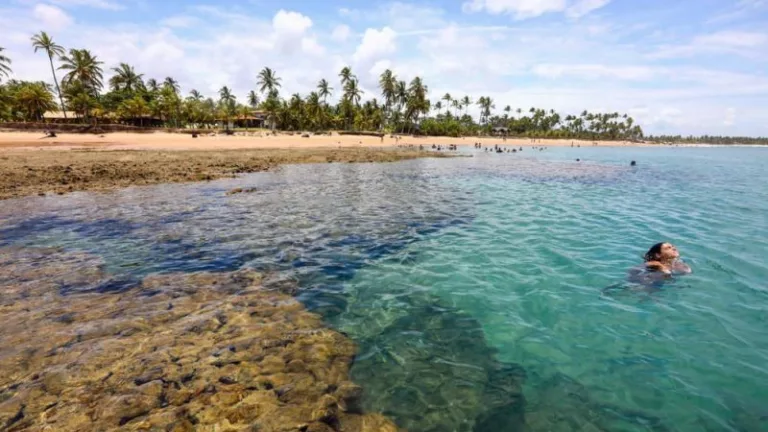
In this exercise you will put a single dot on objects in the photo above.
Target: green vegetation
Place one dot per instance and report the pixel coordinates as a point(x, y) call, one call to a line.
point(26, 100)
point(44, 42)
point(404, 107)
point(707, 139)
point(5, 65)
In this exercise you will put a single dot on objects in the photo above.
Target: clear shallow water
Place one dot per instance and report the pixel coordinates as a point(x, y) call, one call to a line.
point(467, 281)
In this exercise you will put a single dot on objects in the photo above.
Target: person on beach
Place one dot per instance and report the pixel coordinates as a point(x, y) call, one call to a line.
point(664, 258)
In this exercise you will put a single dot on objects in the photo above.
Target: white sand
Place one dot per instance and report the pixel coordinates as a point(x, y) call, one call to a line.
point(177, 141)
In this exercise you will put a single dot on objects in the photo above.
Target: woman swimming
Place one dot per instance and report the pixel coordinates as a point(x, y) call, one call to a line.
point(664, 258)
point(662, 261)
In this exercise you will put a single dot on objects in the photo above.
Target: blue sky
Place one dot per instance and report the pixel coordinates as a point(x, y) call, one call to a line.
point(677, 66)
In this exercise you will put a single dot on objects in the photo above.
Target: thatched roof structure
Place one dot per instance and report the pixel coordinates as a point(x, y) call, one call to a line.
point(52, 115)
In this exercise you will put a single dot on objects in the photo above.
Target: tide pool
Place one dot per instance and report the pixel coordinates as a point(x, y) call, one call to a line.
point(475, 288)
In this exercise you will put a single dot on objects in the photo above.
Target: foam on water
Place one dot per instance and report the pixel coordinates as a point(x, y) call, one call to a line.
point(475, 287)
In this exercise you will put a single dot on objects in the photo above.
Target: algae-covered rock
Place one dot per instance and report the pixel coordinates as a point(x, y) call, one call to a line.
point(179, 352)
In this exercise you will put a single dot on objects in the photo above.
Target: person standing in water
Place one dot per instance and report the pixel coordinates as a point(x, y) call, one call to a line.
point(664, 258)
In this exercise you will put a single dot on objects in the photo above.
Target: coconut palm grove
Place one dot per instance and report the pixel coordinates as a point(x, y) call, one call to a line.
point(128, 97)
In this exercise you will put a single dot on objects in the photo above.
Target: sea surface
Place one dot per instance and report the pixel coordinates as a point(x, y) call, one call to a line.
point(485, 293)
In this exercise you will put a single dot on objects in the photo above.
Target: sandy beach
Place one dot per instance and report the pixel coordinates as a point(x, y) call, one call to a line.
point(33, 164)
point(179, 141)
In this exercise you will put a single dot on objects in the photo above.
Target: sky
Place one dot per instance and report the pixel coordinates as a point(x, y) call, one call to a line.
point(677, 66)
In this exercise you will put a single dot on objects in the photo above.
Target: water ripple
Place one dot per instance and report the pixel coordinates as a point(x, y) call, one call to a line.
point(476, 288)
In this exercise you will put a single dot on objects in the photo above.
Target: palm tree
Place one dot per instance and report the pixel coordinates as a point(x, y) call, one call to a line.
point(44, 42)
point(351, 99)
point(486, 104)
point(34, 99)
point(227, 103)
point(388, 85)
point(352, 91)
point(448, 99)
point(466, 101)
point(226, 97)
point(418, 103)
point(125, 79)
point(401, 94)
point(84, 67)
point(5, 64)
point(80, 97)
point(346, 76)
point(439, 106)
point(267, 80)
point(314, 110)
point(172, 84)
point(253, 99)
point(134, 108)
point(152, 85)
point(324, 89)
point(195, 95)
point(272, 106)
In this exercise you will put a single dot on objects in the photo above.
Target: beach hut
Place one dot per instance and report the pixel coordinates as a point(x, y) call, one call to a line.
point(143, 121)
point(256, 120)
point(58, 117)
point(500, 131)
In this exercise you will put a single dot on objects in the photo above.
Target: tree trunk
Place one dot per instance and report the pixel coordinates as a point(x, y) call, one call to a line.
point(58, 90)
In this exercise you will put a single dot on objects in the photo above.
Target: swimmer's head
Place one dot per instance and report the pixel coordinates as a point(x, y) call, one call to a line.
point(662, 252)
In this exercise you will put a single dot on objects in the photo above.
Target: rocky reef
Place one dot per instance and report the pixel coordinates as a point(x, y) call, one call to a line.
point(429, 367)
point(80, 350)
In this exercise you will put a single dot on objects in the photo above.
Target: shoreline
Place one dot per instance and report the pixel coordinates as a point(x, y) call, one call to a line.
point(26, 172)
point(35, 140)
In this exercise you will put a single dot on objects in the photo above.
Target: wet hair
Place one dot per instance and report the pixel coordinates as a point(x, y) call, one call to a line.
point(654, 252)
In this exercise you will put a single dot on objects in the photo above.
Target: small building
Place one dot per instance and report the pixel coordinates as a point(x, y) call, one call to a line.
point(500, 131)
point(61, 117)
point(255, 120)
point(143, 121)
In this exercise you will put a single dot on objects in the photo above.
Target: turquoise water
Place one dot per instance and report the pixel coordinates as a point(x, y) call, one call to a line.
point(476, 287)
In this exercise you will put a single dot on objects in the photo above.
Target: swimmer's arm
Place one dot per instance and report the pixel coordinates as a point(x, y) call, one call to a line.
point(682, 267)
point(655, 265)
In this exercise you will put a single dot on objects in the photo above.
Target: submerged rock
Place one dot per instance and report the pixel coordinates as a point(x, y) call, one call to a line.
point(241, 190)
point(180, 352)
point(432, 370)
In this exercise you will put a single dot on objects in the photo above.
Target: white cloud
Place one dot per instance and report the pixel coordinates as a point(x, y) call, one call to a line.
point(521, 9)
point(524, 9)
point(406, 16)
point(583, 7)
point(101, 4)
point(311, 46)
point(594, 71)
point(743, 43)
point(180, 21)
point(51, 17)
point(340, 33)
point(567, 65)
point(290, 23)
point(375, 45)
point(290, 33)
point(740, 10)
point(732, 39)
